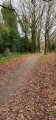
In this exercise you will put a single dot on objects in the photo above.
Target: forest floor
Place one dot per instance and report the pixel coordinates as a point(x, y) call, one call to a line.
point(28, 88)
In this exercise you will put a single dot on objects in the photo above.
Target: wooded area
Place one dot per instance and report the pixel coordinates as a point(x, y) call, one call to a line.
point(37, 21)
point(27, 59)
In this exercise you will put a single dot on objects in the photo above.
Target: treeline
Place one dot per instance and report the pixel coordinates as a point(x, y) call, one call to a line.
point(31, 22)
point(9, 35)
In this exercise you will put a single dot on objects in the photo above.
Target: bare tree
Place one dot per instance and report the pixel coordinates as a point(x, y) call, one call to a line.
point(48, 26)
point(29, 16)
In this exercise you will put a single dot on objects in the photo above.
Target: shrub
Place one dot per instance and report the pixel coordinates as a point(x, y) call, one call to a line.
point(7, 52)
point(5, 38)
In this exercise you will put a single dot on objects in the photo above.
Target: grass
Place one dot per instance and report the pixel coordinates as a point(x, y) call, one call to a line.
point(55, 113)
point(4, 59)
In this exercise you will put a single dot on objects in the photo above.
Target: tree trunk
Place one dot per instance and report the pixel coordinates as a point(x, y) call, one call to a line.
point(33, 41)
point(26, 40)
point(38, 46)
point(33, 28)
point(45, 51)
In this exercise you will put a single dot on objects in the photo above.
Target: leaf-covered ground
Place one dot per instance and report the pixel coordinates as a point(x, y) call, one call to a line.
point(32, 94)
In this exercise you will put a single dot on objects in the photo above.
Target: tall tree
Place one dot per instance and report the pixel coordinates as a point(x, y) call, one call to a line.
point(48, 27)
point(25, 28)
point(10, 20)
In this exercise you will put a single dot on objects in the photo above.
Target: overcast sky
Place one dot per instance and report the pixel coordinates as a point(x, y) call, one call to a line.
point(1, 1)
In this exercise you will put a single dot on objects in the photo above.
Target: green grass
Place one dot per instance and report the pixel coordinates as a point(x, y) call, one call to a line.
point(55, 113)
point(4, 59)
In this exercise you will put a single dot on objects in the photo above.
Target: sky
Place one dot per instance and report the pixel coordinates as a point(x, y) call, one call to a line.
point(1, 1)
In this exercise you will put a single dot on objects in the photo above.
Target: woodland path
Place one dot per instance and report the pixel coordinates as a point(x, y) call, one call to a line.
point(17, 77)
point(28, 88)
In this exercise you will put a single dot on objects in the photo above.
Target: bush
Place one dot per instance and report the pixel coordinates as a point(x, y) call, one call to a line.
point(1, 46)
point(21, 45)
point(1, 55)
point(7, 52)
point(53, 46)
point(5, 38)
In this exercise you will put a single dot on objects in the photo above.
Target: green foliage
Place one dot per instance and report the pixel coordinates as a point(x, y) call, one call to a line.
point(1, 45)
point(49, 46)
point(55, 113)
point(4, 59)
point(53, 45)
point(9, 17)
point(17, 54)
point(10, 37)
point(1, 55)
point(38, 46)
point(10, 20)
point(29, 45)
point(21, 45)
point(5, 38)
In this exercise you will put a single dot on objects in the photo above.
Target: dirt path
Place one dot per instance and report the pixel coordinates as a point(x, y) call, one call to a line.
point(16, 79)
point(28, 92)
